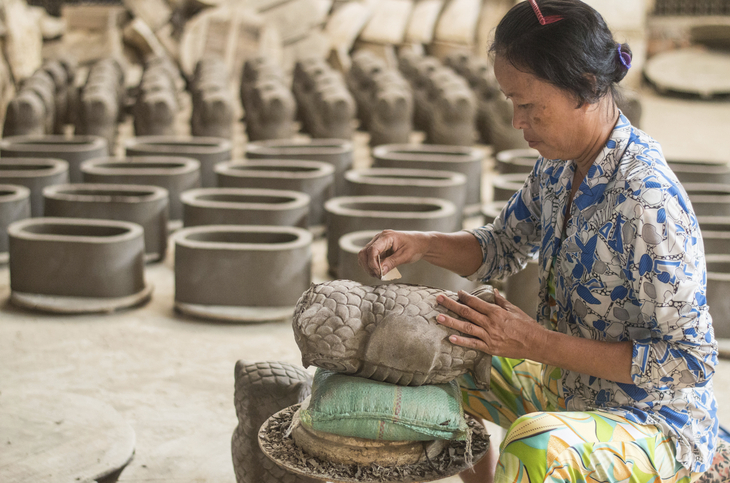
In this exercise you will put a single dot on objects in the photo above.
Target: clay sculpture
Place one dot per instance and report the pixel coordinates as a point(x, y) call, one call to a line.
point(262, 389)
point(386, 333)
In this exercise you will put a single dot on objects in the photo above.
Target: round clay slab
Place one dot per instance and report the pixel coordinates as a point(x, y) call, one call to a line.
point(690, 71)
point(79, 305)
point(277, 444)
point(227, 313)
point(61, 437)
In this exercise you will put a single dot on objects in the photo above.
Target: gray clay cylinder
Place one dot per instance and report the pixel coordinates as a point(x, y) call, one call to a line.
point(523, 288)
point(175, 174)
point(74, 150)
point(244, 206)
point(35, 174)
point(314, 178)
point(715, 234)
point(418, 273)
point(14, 206)
point(356, 213)
point(461, 159)
point(491, 210)
point(207, 150)
point(688, 171)
point(506, 185)
point(241, 273)
point(337, 152)
point(709, 199)
point(514, 161)
point(144, 205)
point(718, 286)
point(72, 265)
point(419, 183)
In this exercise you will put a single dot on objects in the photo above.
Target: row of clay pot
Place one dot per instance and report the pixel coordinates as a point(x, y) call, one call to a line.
point(157, 103)
point(213, 108)
point(444, 105)
point(267, 100)
point(384, 99)
point(43, 104)
point(102, 101)
point(326, 108)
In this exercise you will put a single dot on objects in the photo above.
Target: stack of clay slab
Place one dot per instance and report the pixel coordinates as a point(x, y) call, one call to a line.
point(213, 105)
point(460, 159)
point(175, 174)
point(445, 107)
point(102, 101)
point(384, 99)
point(336, 152)
point(267, 100)
point(157, 101)
point(14, 206)
point(42, 104)
point(315, 178)
point(35, 174)
point(326, 107)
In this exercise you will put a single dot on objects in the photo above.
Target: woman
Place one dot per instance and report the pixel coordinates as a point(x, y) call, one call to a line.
point(613, 379)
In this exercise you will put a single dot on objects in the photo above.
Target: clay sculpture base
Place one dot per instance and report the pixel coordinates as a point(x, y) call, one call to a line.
point(226, 313)
point(79, 305)
point(514, 161)
point(14, 205)
point(276, 443)
point(35, 174)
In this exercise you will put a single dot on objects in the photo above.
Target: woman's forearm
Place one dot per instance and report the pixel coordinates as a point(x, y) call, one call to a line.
point(459, 252)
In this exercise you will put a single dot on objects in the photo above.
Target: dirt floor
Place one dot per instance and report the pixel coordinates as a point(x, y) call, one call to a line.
point(172, 377)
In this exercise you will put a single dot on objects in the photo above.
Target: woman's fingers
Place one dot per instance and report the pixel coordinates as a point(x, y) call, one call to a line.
point(369, 257)
point(478, 304)
point(462, 326)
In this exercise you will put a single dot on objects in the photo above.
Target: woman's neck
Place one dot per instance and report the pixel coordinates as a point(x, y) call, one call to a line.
point(601, 125)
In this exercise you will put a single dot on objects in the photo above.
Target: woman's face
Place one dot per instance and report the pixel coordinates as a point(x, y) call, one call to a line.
point(547, 116)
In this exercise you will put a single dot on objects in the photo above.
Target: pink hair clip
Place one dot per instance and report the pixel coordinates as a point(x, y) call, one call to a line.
point(540, 18)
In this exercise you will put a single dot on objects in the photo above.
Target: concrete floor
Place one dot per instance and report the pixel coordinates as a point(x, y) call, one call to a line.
point(172, 377)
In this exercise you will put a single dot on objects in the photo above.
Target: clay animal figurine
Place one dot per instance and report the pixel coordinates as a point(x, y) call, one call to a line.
point(262, 389)
point(386, 333)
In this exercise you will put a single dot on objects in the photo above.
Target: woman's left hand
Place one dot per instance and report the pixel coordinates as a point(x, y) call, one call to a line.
point(498, 329)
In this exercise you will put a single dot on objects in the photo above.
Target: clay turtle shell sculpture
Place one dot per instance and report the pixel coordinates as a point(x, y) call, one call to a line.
point(385, 333)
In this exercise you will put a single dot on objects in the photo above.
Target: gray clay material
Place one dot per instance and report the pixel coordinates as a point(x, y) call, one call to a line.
point(207, 150)
point(505, 185)
point(418, 273)
point(35, 174)
point(244, 206)
point(74, 265)
point(314, 178)
point(715, 234)
point(141, 204)
point(461, 159)
point(14, 206)
point(347, 327)
point(689, 171)
point(337, 152)
point(709, 199)
point(241, 273)
point(175, 174)
point(356, 213)
point(424, 183)
point(262, 389)
point(718, 287)
point(514, 161)
point(73, 150)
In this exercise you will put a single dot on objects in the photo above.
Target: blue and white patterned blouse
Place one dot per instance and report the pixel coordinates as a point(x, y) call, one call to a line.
point(631, 267)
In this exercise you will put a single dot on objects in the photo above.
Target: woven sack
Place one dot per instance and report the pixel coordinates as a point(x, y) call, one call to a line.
point(362, 408)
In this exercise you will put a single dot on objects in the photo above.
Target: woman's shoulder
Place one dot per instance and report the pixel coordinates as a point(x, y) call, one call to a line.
point(643, 163)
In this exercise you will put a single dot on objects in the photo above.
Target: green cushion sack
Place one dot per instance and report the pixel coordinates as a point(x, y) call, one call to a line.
point(357, 407)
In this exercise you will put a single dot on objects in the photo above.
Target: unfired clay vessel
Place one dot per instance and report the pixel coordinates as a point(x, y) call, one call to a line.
point(386, 333)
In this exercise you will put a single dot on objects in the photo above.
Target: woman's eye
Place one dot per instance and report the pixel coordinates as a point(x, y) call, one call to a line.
point(523, 106)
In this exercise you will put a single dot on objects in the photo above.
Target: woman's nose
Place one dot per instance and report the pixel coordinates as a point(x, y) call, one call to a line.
point(519, 120)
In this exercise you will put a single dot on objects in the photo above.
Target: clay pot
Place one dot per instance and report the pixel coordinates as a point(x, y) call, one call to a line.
point(244, 206)
point(241, 273)
point(517, 161)
point(356, 213)
point(423, 183)
point(35, 174)
point(491, 210)
point(73, 150)
point(504, 186)
point(709, 199)
point(207, 150)
point(314, 178)
point(337, 152)
point(461, 159)
point(715, 234)
point(718, 286)
point(700, 171)
point(175, 174)
point(418, 273)
point(70, 265)
point(14, 206)
point(523, 288)
point(144, 205)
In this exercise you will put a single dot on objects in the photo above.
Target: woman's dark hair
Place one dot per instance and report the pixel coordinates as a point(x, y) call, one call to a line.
point(576, 53)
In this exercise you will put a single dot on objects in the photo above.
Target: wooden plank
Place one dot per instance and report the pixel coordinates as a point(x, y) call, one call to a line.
point(294, 19)
point(93, 17)
point(423, 21)
point(492, 13)
point(155, 13)
point(458, 22)
point(316, 44)
point(346, 23)
point(388, 23)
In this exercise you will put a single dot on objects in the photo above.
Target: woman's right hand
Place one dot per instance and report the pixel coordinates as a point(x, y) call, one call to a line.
point(389, 249)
